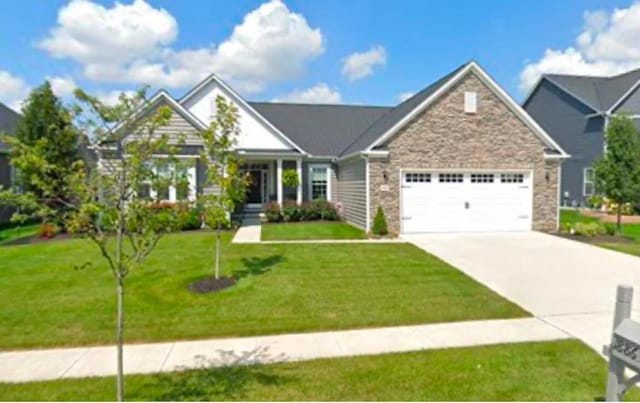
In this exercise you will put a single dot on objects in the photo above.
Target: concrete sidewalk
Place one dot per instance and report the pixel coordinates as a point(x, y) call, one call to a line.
point(249, 232)
point(24, 366)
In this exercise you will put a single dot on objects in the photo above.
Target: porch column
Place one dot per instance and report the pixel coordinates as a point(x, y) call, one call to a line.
point(299, 169)
point(279, 181)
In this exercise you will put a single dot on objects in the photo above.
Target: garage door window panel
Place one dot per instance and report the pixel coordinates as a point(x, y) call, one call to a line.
point(451, 178)
point(512, 178)
point(417, 177)
point(482, 178)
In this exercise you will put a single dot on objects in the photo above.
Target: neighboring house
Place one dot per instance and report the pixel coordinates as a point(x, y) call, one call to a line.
point(460, 155)
point(8, 124)
point(575, 111)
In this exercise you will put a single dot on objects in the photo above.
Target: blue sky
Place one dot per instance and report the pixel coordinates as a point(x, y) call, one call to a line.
point(356, 51)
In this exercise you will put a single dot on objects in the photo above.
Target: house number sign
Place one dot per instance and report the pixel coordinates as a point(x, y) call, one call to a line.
point(624, 350)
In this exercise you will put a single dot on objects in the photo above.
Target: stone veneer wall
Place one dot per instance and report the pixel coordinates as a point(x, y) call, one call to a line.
point(443, 136)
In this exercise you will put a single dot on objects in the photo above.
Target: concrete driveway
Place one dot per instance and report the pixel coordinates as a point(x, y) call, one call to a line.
point(568, 284)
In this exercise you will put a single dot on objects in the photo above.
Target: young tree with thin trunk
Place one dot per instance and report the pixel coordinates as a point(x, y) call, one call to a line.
point(110, 204)
point(224, 174)
point(618, 171)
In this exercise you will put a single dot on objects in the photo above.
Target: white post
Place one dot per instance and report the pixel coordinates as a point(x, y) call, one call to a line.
point(615, 375)
point(279, 181)
point(299, 169)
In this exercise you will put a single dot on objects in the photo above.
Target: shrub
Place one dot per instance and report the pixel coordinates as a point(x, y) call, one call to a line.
point(595, 202)
point(291, 211)
point(612, 208)
point(47, 230)
point(326, 210)
point(309, 212)
point(380, 223)
point(590, 229)
point(610, 229)
point(272, 211)
point(189, 217)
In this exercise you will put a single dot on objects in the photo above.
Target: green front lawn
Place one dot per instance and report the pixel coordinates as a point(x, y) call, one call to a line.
point(311, 230)
point(46, 301)
point(11, 232)
point(631, 231)
point(551, 371)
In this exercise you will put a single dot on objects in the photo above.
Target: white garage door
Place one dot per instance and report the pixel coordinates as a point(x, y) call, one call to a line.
point(466, 201)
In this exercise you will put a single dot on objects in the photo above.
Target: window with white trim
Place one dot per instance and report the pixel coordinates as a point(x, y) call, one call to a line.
point(511, 178)
point(482, 178)
point(178, 182)
point(589, 184)
point(319, 182)
point(417, 177)
point(450, 178)
point(163, 189)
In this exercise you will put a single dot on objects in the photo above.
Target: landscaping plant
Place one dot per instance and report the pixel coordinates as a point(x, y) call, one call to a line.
point(224, 173)
point(103, 204)
point(272, 212)
point(380, 223)
point(618, 170)
point(47, 127)
point(290, 178)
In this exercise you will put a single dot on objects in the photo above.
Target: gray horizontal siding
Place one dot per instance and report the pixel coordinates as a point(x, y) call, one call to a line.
point(201, 180)
point(351, 191)
point(5, 183)
point(177, 127)
point(567, 121)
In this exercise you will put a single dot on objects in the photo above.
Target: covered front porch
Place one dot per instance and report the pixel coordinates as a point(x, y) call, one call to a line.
point(266, 180)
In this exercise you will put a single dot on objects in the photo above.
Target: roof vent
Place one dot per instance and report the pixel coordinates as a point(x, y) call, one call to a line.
point(470, 102)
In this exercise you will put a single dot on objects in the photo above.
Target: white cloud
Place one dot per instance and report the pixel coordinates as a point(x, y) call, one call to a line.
point(92, 34)
point(607, 45)
point(62, 86)
point(271, 44)
point(320, 93)
point(360, 64)
point(13, 90)
point(403, 96)
point(111, 98)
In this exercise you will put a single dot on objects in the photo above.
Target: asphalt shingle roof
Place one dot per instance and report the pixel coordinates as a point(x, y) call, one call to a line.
point(388, 120)
point(322, 130)
point(600, 93)
point(8, 123)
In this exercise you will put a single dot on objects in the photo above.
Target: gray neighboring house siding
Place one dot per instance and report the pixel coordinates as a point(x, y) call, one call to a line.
point(351, 191)
point(8, 124)
point(565, 118)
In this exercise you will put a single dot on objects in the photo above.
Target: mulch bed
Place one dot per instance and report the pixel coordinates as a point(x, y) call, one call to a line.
point(211, 284)
point(595, 239)
point(30, 240)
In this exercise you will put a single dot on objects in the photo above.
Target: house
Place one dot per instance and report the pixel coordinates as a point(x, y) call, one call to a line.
point(575, 111)
point(8, 124)
point(460, 155)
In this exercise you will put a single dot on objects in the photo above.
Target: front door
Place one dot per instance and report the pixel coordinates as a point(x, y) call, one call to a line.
point(254, 193)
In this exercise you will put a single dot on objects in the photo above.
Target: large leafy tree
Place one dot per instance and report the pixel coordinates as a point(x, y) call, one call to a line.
point(224, 173)
point(618, 170)
point(109, 204)
point(47, 126)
